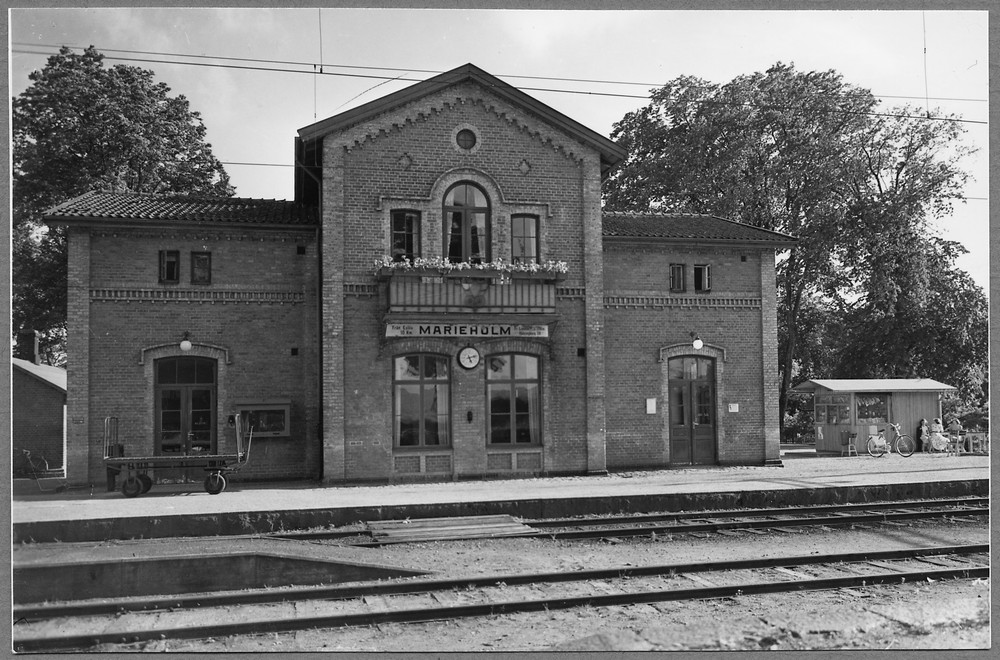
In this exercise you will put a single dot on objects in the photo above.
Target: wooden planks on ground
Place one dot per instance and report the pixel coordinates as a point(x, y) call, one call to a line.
point(435, 529)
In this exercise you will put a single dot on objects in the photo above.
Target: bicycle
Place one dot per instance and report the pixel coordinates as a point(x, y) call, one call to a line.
point(879, 446)
point(31, 467)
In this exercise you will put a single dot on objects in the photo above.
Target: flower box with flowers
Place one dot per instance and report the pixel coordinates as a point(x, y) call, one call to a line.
point(436, 267)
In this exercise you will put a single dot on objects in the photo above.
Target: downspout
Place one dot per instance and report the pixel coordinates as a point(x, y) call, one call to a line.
point(318, 237)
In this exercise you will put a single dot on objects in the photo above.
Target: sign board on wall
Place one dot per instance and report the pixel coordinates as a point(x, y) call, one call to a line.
point(465, 330)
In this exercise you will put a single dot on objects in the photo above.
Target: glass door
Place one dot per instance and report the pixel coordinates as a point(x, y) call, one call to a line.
point(185, 409)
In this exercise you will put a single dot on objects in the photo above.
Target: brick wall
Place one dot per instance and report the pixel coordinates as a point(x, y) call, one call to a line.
point(644, 319)
point(408, 159)
point(258, 318)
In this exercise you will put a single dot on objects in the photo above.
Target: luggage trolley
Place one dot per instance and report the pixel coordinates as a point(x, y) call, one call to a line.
point(136, 468)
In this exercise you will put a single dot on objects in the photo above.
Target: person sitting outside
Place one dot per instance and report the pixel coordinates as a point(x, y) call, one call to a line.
point(955, 431)
point(938, 440)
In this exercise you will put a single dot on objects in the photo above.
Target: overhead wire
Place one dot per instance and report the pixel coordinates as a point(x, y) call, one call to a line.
point(523, 88)
point(387, 79)
point(322, 65)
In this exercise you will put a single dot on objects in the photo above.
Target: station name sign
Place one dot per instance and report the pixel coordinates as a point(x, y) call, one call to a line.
point(483, 330)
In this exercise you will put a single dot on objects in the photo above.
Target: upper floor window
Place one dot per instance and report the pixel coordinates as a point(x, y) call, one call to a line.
point(702, 278)
point(421, 410)
point(524, 239)
point(467, 224)
point(677, 277)
point(405, 235)
point(170, 266)
point(201, 268)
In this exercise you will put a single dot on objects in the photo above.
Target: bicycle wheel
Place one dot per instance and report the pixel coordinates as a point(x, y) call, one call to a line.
point(215, 483)
point(876, 448)
point(905, 445)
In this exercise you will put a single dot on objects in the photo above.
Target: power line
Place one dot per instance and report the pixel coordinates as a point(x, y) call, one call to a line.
point(322, 65)
point(533, 89)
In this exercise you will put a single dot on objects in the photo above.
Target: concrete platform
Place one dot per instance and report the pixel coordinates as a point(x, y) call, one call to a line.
point(187, 510)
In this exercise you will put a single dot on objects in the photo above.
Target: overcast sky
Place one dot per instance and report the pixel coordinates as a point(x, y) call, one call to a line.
point(252, 115)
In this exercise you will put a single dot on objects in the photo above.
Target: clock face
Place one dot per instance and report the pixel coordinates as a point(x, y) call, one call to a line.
point(468, 357)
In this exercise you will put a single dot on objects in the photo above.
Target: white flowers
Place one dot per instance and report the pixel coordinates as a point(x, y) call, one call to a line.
point(445, 266)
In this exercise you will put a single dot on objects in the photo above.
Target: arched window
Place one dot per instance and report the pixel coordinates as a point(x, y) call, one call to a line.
point(514, 396)
point(421, 386)
point(467, 224)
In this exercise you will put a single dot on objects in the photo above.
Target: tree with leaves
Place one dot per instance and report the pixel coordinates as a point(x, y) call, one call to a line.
point(807, 154)
point(81, 126)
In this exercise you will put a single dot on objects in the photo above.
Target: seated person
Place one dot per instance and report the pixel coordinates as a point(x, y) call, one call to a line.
point(938, 440)
point(955, 430)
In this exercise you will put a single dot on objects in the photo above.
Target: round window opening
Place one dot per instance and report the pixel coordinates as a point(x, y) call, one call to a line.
point(466, 139)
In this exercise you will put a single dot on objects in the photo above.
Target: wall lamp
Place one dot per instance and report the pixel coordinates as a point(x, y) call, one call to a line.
point(696, 343)
point(186, 343)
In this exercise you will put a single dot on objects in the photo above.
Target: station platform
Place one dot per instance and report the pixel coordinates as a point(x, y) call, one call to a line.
point(186, 510)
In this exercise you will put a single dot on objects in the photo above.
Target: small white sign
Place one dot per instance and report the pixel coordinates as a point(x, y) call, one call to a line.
point(734, 407)
point(650, 406)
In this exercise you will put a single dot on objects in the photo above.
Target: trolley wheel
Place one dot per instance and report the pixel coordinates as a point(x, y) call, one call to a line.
point(147, 482)
point(215, 483)
point(876, 448)
point(132, 486)
point(905, 445)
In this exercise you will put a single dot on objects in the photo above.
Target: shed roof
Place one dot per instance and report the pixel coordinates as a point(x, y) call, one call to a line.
point(55, 376)
point(142, 208)
point(686, 227)
point(873, 385)
point(611, 152)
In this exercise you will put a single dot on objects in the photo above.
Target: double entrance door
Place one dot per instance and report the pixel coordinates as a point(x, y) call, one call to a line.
point(185, 411)
point(691, 385)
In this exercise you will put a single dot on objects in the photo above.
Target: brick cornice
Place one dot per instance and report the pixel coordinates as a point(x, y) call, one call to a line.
point(212, 296)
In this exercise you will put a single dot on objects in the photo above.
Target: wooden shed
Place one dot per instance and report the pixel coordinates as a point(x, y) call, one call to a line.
point(864, 406)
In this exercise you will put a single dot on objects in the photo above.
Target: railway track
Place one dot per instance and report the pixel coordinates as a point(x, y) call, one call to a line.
point(83, 626)
point(658, 524)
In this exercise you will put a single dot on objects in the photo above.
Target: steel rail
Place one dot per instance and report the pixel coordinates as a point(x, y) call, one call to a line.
point(752, 513)
point(764, 523)
point(976, 503)
point(47, 611)
point(413, 615)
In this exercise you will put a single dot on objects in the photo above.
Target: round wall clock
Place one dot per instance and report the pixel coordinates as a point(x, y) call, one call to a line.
point(468, 357)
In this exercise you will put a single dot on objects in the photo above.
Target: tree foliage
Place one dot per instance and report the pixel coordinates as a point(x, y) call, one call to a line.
point(81, 126)
point(811, 155)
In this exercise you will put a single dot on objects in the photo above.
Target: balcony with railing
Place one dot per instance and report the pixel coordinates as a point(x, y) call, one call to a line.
point(480, 290)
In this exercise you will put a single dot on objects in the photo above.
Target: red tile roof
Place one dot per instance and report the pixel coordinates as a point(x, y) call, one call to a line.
point(182, 209)
point(687, 227)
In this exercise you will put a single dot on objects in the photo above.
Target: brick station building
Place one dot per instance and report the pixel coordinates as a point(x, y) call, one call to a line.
point(444, 299)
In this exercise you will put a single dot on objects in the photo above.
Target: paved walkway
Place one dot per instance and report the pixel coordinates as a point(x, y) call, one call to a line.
point(800, 471)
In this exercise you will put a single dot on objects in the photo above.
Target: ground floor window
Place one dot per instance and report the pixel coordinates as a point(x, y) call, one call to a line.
point(421, 393)
point(514, 399)
point(873, 408)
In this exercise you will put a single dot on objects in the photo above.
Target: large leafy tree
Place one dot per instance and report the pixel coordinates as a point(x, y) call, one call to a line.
point(81, 126)
point(810, 155)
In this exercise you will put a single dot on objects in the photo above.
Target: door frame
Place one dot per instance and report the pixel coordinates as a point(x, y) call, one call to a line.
point(714, 352)
point(145, 419)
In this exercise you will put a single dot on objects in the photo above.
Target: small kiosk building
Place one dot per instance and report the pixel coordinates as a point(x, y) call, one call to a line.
point(863, 406)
